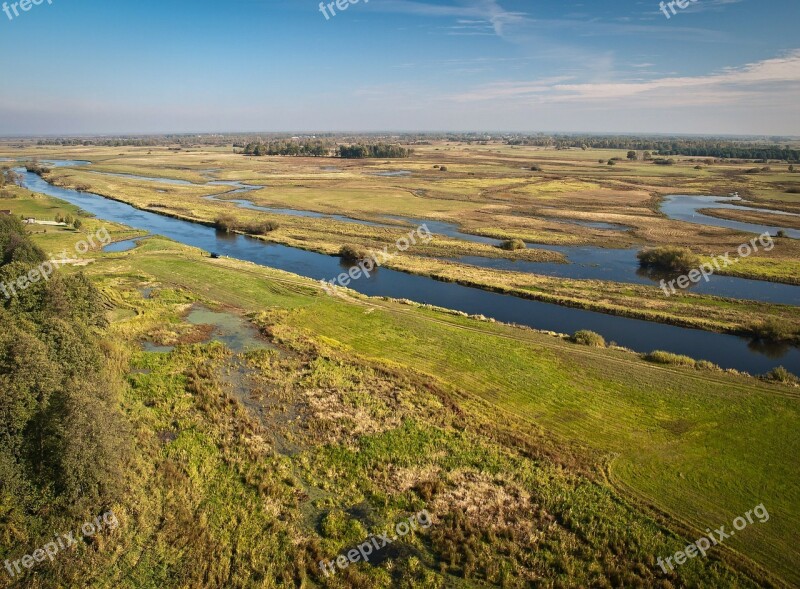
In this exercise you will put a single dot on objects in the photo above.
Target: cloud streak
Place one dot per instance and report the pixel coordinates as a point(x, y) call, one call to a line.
point(759, 79)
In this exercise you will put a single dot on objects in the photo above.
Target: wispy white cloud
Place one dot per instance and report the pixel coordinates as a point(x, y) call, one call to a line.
point(705, 5)
point(779, 76)
point(480, 16)
point(468, 12)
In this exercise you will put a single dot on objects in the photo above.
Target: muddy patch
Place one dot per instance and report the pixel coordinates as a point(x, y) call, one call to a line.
point(236, 333)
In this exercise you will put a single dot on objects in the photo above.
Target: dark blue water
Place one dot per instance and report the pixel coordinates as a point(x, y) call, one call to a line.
point(447, 229)
point(616, 265)
point(622, 265)
point(686, 208)
point(726, 350)
point(122, 246)
point(585, 262)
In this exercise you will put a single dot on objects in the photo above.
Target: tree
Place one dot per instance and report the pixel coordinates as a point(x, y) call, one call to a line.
point(11, 177)
point(632, 155)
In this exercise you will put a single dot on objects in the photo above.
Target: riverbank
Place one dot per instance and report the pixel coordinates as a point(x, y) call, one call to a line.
point(565, 404)
point(743, 318)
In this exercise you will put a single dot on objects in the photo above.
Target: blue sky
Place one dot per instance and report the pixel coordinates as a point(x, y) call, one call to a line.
point(90, 66)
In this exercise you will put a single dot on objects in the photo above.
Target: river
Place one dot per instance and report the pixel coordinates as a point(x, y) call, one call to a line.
point(726, 350)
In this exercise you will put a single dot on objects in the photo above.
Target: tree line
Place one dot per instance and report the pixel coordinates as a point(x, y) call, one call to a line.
point(319, 148)
point(313, 148)
point(63, 437)
point(693, 147)
point(373, 150)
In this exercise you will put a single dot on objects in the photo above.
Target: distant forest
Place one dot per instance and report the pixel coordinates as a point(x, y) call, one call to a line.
point(697, 147)
point(318, 148)
point(363, 145)
point(314, 148)
point(379, 150)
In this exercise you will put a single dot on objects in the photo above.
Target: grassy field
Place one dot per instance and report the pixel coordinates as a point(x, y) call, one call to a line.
point(488, 190)
point(579, 454)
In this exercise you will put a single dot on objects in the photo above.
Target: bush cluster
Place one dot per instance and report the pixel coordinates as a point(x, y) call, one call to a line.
point(512, 245)
point(229, 224)
point(671, 258)
point(589, 338)
point(353, 253)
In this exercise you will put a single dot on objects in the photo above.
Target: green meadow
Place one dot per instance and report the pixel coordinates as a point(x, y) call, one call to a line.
point(543, 462)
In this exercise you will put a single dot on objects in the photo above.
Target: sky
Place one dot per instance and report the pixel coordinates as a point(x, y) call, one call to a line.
point(180, 66)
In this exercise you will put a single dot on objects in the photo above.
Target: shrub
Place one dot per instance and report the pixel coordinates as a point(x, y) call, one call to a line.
point(353, 253)
point(36, 168)
point(672, 258)
point(780, 374)
point(662, 357)
point(780, 233)
point(443, 169)
point(226, 223)
point(793, 191)
point(512, 245)
point(706, 365)
point(536, 168)
point(589, 338)
point(772, 330)
point(259, 227)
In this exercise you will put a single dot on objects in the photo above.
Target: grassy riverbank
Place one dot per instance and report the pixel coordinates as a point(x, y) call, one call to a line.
point(328, 236)
point(541, 461)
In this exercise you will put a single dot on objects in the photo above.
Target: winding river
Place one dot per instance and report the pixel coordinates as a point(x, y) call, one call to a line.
point(585, 262)
point(687, 208)
point(726, 350)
